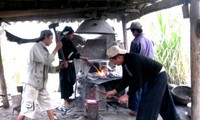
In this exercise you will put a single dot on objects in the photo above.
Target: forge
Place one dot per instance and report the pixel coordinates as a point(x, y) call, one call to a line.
point(94, 79)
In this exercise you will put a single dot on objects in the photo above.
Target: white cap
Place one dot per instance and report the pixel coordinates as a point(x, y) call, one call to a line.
point(115, 50)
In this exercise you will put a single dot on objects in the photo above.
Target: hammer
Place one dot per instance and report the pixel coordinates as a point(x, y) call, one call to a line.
point(53, 26)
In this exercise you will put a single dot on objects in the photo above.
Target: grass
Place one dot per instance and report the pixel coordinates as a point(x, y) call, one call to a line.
point(169, 49)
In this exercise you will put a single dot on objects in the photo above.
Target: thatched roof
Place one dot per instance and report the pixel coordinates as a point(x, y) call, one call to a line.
point(20, 10)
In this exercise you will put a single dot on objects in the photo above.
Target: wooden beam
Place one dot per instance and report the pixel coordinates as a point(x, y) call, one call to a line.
point(164, 4)
point(124, 33)
point(40, 12)
point(195, 59)
point(59, 15)
point(3, 82)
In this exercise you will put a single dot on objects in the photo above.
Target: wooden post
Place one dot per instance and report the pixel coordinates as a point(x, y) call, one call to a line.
point(124, 32)
point(2, 81)
point(195, 59)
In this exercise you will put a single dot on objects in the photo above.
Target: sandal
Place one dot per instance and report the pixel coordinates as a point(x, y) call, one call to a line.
point(133, 113)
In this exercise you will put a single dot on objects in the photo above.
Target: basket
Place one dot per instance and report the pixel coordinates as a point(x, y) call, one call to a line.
point(181, 94)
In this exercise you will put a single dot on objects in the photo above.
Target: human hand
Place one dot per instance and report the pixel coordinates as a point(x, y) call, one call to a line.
point(58, 45)
point(85, 59)
point(123, 99)
point(64, 64)
point(111, 93)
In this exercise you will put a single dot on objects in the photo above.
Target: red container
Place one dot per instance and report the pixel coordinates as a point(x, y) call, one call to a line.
point(92, 110)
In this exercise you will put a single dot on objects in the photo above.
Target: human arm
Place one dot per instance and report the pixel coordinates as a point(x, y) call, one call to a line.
point(56, 69)
point(132, 74)
point(70, 51)
point(58, 47)
point(74, 54)
point(136, 79)
point(85, 59)
point(124, 81)
point(111, 93)
point(135, 47)
point(123, 98)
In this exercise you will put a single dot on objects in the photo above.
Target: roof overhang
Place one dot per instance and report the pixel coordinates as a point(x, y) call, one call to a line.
point(73, 10)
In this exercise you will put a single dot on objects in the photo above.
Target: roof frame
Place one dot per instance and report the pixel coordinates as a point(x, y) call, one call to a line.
point(70, 10)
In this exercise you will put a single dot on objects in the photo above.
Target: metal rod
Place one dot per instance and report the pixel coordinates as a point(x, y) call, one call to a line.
point(94, 66)
point(104, 93)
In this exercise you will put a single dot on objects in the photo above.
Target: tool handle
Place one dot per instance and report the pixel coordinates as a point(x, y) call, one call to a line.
point(57, 40)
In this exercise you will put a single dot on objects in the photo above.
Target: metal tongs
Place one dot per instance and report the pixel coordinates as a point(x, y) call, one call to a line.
point(104, 93)
point(91, 64)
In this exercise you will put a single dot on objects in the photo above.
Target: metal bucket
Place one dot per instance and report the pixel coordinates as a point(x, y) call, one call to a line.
point(20, 88)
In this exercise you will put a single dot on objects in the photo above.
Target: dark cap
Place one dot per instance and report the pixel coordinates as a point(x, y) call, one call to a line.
point(43, 33)
point(67, 30)
point(135, 25)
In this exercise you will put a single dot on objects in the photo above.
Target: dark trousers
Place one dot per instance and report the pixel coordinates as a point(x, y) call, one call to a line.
point(157, 99)
point(67, 80)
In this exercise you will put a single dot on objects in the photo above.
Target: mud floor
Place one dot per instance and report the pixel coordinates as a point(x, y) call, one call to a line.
point(113, 112)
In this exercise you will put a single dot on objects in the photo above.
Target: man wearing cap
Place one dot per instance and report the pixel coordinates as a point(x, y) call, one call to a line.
point(137, 71)
point(68, 75)
point(39, 65)
point(143, 46)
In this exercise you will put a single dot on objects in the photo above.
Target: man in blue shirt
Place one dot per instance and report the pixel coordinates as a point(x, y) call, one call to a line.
point(142, 46)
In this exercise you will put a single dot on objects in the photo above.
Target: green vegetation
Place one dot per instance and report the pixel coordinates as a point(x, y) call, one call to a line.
point(169, 49)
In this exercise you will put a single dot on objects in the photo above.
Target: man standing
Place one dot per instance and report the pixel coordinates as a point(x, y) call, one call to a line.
point(137, 71)
point(40, 64)
point(143, 46)
point(68, 75)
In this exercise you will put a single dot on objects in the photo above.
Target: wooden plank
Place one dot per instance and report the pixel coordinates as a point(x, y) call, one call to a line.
point(40, 12)
point(3, 82)
point(124, 33)
point(47, 14)
point(78, 11)
point(195, 59)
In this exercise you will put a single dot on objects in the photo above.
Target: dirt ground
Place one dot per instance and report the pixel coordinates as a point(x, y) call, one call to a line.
point(112, 113)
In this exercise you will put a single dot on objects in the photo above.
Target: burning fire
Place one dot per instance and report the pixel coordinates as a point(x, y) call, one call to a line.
point(101, 72)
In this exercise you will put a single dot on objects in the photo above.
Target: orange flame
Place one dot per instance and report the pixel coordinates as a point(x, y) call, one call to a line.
point(101, 72)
